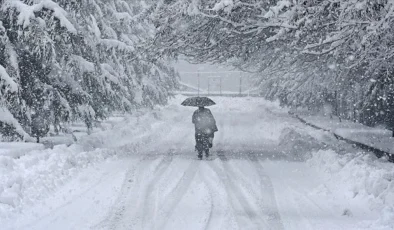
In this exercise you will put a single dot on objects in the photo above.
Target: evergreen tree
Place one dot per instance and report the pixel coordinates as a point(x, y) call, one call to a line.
point(77, 60)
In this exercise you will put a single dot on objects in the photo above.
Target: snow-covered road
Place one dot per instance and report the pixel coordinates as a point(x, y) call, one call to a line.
point(258, 178)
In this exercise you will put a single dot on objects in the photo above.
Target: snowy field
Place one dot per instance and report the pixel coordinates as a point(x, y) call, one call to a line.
point(268, 171)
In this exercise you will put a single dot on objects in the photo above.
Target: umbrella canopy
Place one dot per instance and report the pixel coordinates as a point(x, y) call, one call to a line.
point(198, 102)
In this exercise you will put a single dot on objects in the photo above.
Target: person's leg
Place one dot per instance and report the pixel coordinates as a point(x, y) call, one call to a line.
point(205, 144)
point(211, 140)
point(197, 138)
point(199, 145)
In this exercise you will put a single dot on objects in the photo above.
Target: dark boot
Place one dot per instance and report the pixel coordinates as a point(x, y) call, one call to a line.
point(207, 153)
point(200, 155)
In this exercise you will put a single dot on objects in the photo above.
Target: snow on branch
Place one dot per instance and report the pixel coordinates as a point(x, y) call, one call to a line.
point(27, 12)
point(95, 27)
point(112, 43)
point(275, 10)
point(122, 15)
point(226, 5)
point(8, 80)
point(86, 110)
point(110, 74)
point(335, 41)
point(83, 64)
point(7, 118)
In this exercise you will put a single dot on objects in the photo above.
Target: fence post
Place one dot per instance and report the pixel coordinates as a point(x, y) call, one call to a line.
point(209, 86)
point(240, 85)
point(198, 77)
point(220, 85)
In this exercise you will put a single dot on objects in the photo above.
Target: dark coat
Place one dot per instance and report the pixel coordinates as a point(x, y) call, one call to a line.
point(204, 121)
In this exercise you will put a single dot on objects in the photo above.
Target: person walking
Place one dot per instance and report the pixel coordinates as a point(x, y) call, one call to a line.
point(205, 128)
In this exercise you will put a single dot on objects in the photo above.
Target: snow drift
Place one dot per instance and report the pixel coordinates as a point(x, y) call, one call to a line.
point(36, 173)
point(359, 178)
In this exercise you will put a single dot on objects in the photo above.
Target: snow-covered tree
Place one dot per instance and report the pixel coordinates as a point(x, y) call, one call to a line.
point(304, 52)
point(70, 60)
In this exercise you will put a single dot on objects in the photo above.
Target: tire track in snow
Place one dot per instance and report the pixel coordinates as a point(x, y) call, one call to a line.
point(72, 201)
point(246, 185)
point(134, 194)
point(219, 200)
point(149, 200)
point(237, 197)
point(306, 210)
point(115, 214)
point(176, 195)
point(304, 219)
point(212, 206)
point(268, 205)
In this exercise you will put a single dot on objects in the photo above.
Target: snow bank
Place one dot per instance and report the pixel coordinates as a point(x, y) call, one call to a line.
point(137, 131)
point(17, 149)
point(358, 178)
point(298, 145)
point(37, 173)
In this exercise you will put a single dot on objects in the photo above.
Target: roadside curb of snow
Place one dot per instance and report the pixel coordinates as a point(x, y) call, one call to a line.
point(355, 178)
point(37, 174)
point(378, 152)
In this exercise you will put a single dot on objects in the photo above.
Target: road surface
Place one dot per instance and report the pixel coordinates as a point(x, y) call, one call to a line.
point(256, 178)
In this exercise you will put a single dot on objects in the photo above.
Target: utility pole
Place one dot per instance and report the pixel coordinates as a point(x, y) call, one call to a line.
point(208, 84)
point(198, 77)
point(249, 86)
point(220, 85)
point(240, 85)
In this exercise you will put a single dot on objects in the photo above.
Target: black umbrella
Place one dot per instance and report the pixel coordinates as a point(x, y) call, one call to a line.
point(198, 102)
